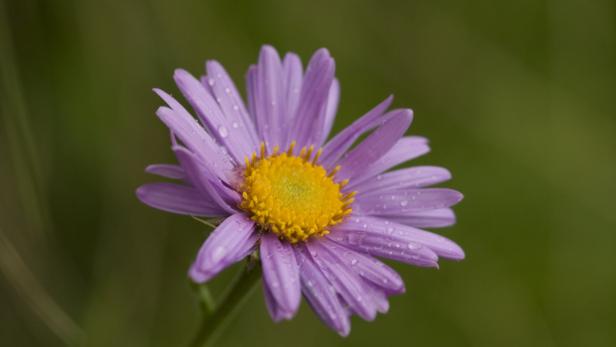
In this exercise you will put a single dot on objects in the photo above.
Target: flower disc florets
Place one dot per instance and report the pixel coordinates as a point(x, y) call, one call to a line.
point(293, 196)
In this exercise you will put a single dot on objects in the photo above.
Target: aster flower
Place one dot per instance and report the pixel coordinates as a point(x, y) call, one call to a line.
point(317, 213)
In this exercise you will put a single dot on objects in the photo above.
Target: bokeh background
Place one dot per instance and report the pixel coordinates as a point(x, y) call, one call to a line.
point(517, 98)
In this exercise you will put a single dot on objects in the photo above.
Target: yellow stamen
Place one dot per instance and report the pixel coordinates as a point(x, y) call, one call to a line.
point(292, 196)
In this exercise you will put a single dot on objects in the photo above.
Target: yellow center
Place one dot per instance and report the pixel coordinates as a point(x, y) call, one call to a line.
point(293, 196)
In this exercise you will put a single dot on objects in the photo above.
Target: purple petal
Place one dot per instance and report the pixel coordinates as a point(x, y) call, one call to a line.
point(387, 246)
point(321, 295)
point(166, 170)
point(414, 177)
point(346, 282)
point(224, 128)
point(179, 199)
point(367, 267)
point(330, 112)
point(379, 297)
point(186, 128)
point(230, 102)
point(204, 179)
point(272, 305)
point(251, 87)
point(269, 100)
point(337, 146)
point(399, 202)
point(233, 240)
point(359, 227)
point(293, 77)
point(281, 274)
point(405, 149)
point(427, 219)
point(310, 115)
point(375, 145)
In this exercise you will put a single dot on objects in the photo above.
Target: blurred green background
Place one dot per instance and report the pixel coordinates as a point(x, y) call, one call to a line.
point(517, 98)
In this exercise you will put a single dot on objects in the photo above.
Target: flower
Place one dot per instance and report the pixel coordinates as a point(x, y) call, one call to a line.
point(318, 212)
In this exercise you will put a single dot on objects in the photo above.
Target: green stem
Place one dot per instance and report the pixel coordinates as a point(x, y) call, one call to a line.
point(214, 323)
point(206, 300)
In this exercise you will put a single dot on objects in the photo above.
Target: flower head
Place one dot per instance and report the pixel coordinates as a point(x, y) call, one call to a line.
point(319, 213)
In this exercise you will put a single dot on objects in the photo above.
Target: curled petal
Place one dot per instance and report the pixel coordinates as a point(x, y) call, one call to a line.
point(280, 275)
point(206, 181)
point(179, 199)
point(166, 170)
point(233, 240)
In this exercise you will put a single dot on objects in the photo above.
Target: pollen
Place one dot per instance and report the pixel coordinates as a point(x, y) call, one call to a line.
point(292, 195)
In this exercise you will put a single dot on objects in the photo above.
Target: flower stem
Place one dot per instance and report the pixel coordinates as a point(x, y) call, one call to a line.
point(236, 296)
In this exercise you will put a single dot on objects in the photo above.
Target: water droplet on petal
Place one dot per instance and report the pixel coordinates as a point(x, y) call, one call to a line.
point(235, 125)
point(403, 203)
point(218, 253)
point(353, 261)
point(223, 132)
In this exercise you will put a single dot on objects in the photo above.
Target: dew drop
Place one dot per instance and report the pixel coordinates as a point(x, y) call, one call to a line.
point(353, 261)
point(403, 203)
point(236, 108)
point(223, 132)
point(235, 125)
point(218, 253)
point(227, 90)
point(211, 81)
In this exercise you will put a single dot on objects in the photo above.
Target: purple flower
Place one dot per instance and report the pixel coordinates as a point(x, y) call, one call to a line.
point(318, 212)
